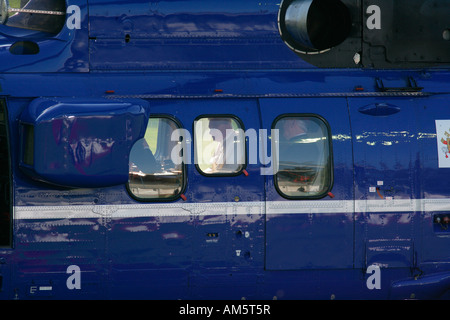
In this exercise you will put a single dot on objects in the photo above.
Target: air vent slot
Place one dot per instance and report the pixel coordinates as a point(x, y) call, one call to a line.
point(24, 48)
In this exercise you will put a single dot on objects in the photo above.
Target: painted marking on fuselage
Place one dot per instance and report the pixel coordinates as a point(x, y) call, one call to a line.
point(229, 208)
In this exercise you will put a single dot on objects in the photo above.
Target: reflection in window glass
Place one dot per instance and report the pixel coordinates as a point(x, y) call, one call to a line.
point(304, 164)
point(153, 173)
point(219, 145)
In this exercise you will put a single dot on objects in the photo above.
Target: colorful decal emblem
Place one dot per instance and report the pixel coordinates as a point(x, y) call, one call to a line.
point(443, 140)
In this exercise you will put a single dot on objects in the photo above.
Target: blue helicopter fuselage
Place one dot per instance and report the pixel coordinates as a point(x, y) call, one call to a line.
point(74, 104)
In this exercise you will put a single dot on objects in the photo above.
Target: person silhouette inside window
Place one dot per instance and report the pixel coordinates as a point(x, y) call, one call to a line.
point(224, 158)
point(142, 159)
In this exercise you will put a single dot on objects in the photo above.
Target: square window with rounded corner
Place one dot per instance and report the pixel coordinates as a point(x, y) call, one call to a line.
point(155, 173)
point(219, 145)
point(304, 157)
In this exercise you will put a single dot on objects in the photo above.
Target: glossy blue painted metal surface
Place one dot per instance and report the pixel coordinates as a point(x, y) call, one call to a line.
point(81, 142)
point(173, 255)
point(224, 241)
point(312, 239)
point(184, 35)
point(429, 287)
point(385, 143)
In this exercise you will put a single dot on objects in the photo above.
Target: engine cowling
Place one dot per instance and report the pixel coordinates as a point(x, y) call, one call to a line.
point(313, 26)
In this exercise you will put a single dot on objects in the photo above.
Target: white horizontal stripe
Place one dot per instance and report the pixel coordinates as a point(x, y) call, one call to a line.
point(400, 205)
point(138, 210)
point(310, 206)
point(229, 208)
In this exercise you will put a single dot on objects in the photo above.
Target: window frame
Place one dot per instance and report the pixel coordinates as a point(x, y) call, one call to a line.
point(220, 174)
point(9, 245)
point(53, 28)
point(330, 157)
point(183, 165)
